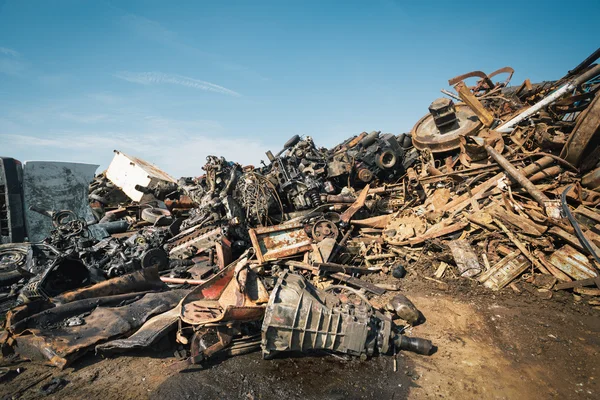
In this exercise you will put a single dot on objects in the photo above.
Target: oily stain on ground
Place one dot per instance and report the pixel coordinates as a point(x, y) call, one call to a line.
point(318, 377)
point(482, 354)
point(434, 204)
point(487, 349)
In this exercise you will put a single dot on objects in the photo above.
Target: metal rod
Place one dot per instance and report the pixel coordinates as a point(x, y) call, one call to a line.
point(447, 93)
point(181, 281)
point(508, 126)
point(515, 174)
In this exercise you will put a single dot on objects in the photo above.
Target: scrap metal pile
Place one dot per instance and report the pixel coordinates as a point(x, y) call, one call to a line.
point(496, 183)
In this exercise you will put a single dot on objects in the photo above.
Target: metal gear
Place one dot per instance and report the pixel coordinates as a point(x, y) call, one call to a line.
point(324, 229)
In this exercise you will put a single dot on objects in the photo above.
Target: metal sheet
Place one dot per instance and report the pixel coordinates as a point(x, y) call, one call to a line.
point(153, 330)
point(12, 223)
point(55, 186)
point(465, 258)
point(127, 171)
point(279, 241)
point(572, 263)
point(63, 344)
point(236, 293)
point(504, 271)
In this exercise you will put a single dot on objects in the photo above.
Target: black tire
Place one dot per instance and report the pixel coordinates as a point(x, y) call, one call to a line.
point(292, 142)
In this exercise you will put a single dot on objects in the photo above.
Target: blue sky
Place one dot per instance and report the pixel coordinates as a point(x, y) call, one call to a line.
point(172, 83)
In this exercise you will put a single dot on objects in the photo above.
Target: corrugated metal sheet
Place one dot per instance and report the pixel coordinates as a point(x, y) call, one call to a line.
point(507, 269)
point(572, 263)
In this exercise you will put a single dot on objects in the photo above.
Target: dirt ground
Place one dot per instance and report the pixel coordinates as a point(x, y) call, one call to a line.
point(490, 346)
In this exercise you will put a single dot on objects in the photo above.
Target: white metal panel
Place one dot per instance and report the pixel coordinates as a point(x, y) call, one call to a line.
point(126, 172)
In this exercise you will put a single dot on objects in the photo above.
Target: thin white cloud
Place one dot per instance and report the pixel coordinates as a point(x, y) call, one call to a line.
point(9, 52)
point(66, 142)
point(83, 118)
point(148, 78)
point(179, 147)
point(53, 79)
point(153, 30)
point(178, 156)
point(106, 98)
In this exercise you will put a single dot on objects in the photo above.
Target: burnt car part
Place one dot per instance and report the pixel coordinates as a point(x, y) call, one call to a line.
point(301, 190)
point(300, 317)
point(13, 262)
point(12, 222)
point(61, 344)
point(374, 155)
point(63, 274)
point(223, 309)
point(257, 195)
point(55, 186)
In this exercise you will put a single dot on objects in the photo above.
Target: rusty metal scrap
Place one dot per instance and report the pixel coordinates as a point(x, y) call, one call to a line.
point(573, 263)
point(465, 258)
point(280, 241)
point(294, 253)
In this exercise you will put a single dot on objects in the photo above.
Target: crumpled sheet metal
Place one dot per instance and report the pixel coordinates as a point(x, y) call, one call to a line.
point(138, 281)
point(64, 344)
point(236, 293)
point(150, 333)
point(106, 293)
point(25, 317)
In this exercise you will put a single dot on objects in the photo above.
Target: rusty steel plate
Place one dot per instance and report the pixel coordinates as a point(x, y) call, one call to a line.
point(279, 241)
point(573, 263)
point(426, 135)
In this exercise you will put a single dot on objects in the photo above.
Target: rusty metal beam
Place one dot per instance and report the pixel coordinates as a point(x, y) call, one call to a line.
point(469, 98)
point(550, 206)
point(369, 287)
point(357, 205)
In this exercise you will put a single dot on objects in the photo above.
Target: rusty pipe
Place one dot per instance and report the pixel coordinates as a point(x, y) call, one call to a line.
point(515, 174)
point(546, 173)
point(340, 199)
point(591, 180)
point(181, 281)
point(537, 165)
point(412, 176)
point(543, 200)
point(433, 171)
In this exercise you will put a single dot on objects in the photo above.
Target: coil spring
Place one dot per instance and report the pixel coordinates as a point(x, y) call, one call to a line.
point(315, 198)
